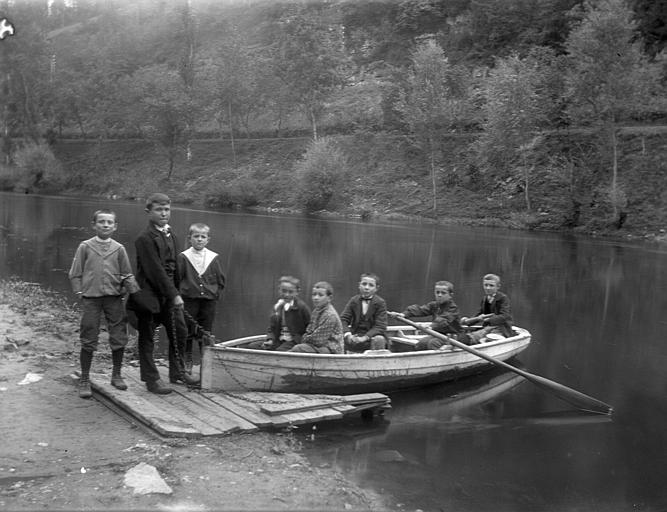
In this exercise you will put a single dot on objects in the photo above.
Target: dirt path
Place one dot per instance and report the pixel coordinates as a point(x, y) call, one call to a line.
point(63, 452)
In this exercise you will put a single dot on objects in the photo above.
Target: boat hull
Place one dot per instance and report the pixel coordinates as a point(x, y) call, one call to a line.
point(227, 367)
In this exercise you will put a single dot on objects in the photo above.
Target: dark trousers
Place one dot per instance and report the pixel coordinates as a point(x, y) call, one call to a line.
point(203, 312)
point(174, 323)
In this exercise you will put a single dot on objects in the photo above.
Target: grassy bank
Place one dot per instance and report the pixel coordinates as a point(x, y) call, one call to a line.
point(388, 177)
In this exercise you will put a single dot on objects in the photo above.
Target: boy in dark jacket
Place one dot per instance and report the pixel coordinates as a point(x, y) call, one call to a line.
point(289, 318)
point(365, 317)
point(444, 315)
point(494, 315)
point(201, 282)
point(159, 301)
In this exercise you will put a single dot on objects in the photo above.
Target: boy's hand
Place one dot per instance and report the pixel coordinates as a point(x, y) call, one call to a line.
point(178, 301)
point(267, 343)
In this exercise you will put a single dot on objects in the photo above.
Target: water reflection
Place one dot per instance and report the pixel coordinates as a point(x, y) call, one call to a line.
point(596, 311)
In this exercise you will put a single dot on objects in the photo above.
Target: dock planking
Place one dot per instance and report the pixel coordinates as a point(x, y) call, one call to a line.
point(192, 413)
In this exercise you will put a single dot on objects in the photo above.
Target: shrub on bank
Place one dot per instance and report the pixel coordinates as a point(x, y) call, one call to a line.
point(38, 168)
point(245, 192)
point(321, 176)
point(9, 177)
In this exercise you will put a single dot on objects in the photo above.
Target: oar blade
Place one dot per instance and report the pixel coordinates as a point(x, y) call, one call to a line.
point(571, 396)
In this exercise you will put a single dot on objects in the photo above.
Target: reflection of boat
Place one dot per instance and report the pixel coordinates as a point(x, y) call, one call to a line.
point(474, 404)
point(229, 366)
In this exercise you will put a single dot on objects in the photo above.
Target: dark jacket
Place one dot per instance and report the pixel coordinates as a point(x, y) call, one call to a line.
point(296, 318)
point(445, 317)
point(502, 313)
point(157, 270)
point(373, 323)
point(208, 285)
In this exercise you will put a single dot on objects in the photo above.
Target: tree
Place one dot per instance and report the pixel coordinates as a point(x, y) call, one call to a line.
point(434, 98)
point(513, 115)
point(165, 108)
point(609, 79)
point(310, 59)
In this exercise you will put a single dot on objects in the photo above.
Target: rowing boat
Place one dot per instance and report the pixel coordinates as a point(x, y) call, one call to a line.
point(231, 366)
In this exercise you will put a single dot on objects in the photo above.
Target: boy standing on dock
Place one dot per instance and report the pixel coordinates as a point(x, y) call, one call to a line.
point(201, 283)
point(99, 274)
point(365, 315)
point(159, 301)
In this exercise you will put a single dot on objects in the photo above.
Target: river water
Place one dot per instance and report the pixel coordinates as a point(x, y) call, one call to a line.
point(494, 442)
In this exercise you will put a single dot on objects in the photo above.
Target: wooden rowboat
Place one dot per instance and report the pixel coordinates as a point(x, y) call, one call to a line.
point(228, 366)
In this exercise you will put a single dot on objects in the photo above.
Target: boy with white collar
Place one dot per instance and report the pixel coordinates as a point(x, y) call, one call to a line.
point(99, 274)
point(201, 283)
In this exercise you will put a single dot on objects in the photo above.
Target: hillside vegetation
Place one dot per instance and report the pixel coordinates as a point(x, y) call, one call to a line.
point(509, 112)
point(384, 180)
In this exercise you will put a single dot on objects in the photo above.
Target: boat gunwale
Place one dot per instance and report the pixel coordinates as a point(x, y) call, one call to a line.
point(523, 335)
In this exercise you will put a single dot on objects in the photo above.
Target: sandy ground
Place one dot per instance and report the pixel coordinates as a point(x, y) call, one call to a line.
point(63, 452)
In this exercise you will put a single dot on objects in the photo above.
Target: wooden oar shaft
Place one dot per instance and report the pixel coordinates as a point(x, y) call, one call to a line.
point(572, 396)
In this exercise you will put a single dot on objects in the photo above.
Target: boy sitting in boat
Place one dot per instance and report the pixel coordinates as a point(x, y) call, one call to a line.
point(289, 318)
point(324, 333)
point(444, 315)
point(494, 315)
point(365, 315)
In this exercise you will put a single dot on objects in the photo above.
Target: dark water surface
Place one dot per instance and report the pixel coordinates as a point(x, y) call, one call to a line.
point(596, 311)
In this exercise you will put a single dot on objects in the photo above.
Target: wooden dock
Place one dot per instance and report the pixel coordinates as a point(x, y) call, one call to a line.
point(193, 413)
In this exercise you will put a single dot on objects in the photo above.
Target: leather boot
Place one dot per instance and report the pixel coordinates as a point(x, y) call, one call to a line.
point(86, 360)
point(185, 378)
point(116, 380)
point(158, 387)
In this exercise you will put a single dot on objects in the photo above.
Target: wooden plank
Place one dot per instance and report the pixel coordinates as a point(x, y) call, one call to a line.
point(143, 409)
point(365, 397)
point(344, 408)
point(175, 404)
point(314, 416)
point(179, 404)
point(246, 410)
point(303, 403)
point(405, 341)
point(217, 416)
point(300, 406)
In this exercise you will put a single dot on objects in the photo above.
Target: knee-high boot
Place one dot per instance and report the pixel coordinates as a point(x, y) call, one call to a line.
point(117, 359)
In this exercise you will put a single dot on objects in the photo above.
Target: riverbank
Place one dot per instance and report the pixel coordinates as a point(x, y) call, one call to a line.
point(387, 179)
point(61, 452)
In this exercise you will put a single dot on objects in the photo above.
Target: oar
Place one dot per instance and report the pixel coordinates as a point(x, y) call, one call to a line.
point(572, 396)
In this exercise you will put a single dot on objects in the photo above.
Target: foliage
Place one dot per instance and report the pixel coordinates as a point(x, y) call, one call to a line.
point(435, 96)
point(513, 112)
point(310, 59)
point(39, 168)
point(167, 108)
point(320, 176)
point(609, 78)
point(244, 192)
